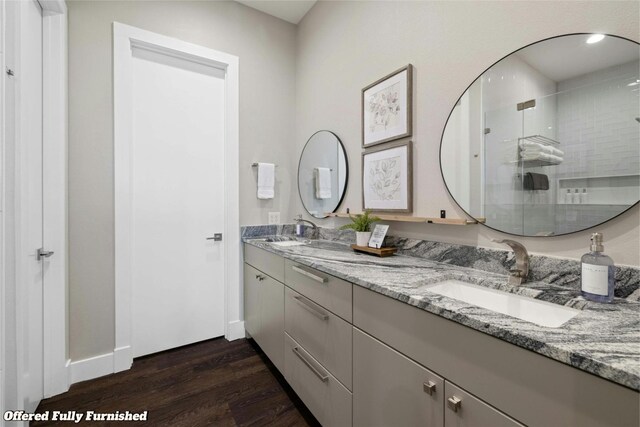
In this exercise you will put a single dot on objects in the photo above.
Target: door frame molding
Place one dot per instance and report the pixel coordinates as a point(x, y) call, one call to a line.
point(54, 110)
point(124, 38)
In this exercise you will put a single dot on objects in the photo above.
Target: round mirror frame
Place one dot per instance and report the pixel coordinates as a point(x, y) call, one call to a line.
point(346, 177)
point(465, 91)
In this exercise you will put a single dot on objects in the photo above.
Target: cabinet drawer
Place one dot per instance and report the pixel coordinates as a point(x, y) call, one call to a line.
point(464, 410)
point(323, 334)
point(327, 399)
point(391, 390)
point(330, 292)
point(268, 263)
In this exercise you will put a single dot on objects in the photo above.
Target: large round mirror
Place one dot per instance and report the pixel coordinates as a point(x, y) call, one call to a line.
point(323, 173)
point(547, 140)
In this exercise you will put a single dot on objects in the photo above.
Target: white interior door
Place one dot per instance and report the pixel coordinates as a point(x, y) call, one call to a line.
point(178, 201)
point(29, 77)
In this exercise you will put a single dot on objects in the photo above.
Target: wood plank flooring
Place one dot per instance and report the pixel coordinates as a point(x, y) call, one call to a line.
point(212, 383)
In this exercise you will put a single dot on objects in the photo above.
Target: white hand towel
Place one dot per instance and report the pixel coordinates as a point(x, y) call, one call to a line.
point(266, 180)
point(323, 183)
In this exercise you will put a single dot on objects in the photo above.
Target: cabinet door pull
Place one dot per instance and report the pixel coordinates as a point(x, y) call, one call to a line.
point(429, 387)
point(323, 377)
point(259, 277)
point(454, 403)
point(311, 309)
point(309, 275)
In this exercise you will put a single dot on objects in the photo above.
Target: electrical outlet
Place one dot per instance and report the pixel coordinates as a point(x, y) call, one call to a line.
point(274, 217)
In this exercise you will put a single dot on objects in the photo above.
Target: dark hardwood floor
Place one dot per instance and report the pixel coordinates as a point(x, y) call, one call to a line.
point(212, 383)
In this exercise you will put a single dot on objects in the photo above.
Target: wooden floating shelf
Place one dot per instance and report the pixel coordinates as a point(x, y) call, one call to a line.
point(416, 219)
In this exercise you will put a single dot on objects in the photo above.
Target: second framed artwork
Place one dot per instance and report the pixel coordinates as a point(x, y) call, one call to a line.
point(387, 178)
point(387, 108)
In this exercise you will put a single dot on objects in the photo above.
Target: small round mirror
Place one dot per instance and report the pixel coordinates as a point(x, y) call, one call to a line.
point(323, 172)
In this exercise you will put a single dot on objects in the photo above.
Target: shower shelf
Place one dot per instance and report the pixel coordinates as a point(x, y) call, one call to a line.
point(536, 163)
point(540, 140)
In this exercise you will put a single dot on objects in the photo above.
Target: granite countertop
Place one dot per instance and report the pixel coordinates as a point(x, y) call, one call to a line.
point(603, 339)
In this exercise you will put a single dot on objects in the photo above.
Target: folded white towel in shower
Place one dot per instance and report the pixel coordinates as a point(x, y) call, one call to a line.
point(556, 160)
point(535, 147)
point(323, 183)
point(266, 180)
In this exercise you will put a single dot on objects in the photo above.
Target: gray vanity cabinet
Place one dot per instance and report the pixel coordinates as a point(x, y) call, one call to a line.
point(391, 390)
point(264, 312)
point(531, 388)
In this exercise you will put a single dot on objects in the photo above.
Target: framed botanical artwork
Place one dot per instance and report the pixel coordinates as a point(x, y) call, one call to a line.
point(387, 178)
point(387, 108)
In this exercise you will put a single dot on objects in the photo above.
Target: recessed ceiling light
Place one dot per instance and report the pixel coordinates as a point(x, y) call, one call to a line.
point(595, 38)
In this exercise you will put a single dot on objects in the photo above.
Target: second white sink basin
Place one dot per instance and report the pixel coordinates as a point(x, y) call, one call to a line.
point(539, 312)
point(289, 243)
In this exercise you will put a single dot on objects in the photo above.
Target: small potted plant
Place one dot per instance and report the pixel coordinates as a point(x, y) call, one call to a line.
point(361, 224)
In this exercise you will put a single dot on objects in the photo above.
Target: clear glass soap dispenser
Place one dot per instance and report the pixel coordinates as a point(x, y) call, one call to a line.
point(598, 272)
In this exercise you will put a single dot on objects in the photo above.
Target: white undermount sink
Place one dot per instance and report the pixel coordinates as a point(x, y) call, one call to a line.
point(288, 243)
point(539, 312)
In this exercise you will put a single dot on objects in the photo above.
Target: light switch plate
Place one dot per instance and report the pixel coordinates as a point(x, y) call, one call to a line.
point(274, 217)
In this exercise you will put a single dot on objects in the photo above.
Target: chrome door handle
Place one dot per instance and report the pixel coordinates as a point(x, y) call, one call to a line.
point(309, 275)
point(217, 237)
point(41, 253)
point(307, 306)
point(323, 377)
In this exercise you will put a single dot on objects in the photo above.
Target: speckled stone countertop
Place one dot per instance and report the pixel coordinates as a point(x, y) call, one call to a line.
point(603, 339)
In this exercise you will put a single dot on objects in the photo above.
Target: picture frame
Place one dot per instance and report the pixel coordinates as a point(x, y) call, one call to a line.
point(387, 178)
point(385, 121)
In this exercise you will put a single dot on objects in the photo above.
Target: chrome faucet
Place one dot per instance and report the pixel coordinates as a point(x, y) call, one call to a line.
point(300, 229)
point(518, 275)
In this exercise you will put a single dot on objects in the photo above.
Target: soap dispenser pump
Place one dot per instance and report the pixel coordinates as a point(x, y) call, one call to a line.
point(598, 272)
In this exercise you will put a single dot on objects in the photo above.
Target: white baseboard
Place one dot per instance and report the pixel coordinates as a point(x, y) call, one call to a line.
point(93, 367)
point(235, 331)
point(122, 358)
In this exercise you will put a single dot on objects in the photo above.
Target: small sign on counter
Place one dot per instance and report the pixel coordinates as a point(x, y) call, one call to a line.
point(377, 237)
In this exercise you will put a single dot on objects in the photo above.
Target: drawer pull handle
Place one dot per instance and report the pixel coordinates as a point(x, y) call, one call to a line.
point(309, 275)
point(323, 377)
point(307, 306)
point(260, 277)
point(429, 387)
point(454, 403)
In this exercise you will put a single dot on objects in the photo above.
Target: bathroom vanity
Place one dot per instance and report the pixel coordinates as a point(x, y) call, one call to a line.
point(363, 342)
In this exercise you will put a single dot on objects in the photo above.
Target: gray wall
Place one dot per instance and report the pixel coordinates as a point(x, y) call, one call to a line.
point(266, 47)
point(344, 46)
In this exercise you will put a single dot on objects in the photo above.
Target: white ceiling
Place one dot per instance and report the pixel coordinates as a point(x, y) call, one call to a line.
point(566, 57)
point(290, 10)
